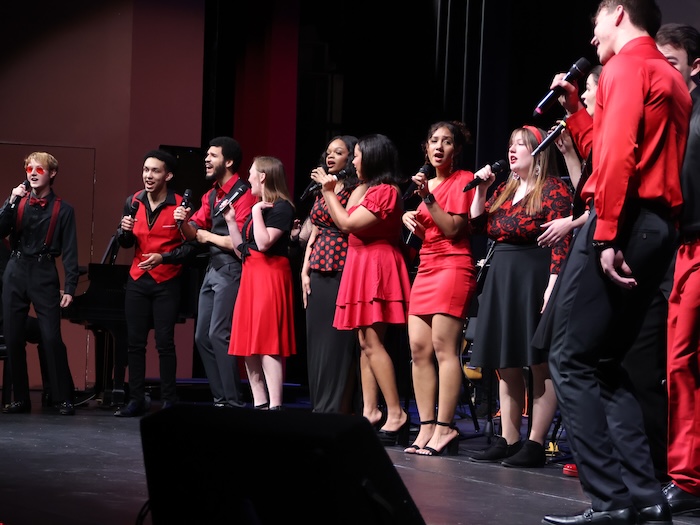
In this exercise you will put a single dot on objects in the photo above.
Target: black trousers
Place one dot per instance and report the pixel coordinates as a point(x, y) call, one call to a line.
point(595, 324)
point(147, 305)
point(26, 282)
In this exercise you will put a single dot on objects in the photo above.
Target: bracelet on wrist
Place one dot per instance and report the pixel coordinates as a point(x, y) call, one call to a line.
point(601, 245)
point(429, 199)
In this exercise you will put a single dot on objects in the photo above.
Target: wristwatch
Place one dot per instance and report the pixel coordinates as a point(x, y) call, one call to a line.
point(429, 198)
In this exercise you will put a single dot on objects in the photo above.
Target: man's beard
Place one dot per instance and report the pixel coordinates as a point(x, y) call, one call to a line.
point(218, 173)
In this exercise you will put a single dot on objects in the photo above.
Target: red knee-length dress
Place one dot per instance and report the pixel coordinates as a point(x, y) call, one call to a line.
point(375, 286)
point(263, 317)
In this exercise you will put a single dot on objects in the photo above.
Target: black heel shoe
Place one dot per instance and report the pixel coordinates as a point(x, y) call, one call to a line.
point(393, 437)
point(451, 448)
point(412, 449)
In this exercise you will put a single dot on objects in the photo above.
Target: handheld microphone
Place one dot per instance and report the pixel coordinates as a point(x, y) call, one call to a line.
point(550, 138)
point(425, 169)
point(185, 203)
point(27, 187)
point(133, 209)
point(225, 202)
point(581, 68)
point(313, 185)
point(496, 168)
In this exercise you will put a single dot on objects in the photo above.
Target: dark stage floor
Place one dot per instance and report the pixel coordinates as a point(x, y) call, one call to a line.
point(89, 470)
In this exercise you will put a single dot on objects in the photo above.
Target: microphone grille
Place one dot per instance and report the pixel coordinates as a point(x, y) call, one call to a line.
point(499, 166)
point(583, 66)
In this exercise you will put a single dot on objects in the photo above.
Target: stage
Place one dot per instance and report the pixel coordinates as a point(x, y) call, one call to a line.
point(89, 470)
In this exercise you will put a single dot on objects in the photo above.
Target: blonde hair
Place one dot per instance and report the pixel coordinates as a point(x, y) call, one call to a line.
point(45, 159)
point(275, 187)
point(543, 164)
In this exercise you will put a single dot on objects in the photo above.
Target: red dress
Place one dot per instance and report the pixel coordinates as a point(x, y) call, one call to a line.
point(375, 286)
point(446, 279)
point(263, 317)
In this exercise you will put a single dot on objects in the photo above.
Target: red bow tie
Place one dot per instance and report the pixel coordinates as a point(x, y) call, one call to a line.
point(40, 201)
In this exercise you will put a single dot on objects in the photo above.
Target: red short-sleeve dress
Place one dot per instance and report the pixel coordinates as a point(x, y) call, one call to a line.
point(446, 279)
point(375, 286)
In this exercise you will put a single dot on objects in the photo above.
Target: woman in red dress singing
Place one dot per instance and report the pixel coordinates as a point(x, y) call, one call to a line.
point(262, 330)
point(375, 287)
point(442, 288)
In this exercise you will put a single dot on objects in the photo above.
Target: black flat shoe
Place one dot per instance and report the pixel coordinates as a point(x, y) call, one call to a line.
point(389, 438)
point(18, 407)
point(531, 455)
point(680, 501)
point(595, 517)
point(498, 451)
point(451, 448)
point(133, 409)
point(66, 408)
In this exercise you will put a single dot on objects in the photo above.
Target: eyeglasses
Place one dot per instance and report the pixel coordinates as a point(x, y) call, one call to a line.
point(39, 170)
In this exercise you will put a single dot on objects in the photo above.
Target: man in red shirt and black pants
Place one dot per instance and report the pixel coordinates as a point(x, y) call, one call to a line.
point(617, 263)
point(153, 289)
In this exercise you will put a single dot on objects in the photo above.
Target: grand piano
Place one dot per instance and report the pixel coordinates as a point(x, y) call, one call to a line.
point(101, 310)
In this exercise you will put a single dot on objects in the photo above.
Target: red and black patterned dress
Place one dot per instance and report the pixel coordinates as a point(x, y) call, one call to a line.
point(330, 352)
point(513, 292)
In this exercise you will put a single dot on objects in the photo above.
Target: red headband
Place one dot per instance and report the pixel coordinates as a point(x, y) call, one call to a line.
point(535, 131)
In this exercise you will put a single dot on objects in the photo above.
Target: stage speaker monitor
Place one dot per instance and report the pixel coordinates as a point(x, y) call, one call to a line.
point(207, 465)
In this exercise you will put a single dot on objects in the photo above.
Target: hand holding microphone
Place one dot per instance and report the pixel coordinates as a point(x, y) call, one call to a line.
point(419, 181)
point(127, 223)
point(322, 179)
point(19, 192)
point(487, 174)
point(550, 138)
point(313, 185)
point(186, 197)
point(577, 71)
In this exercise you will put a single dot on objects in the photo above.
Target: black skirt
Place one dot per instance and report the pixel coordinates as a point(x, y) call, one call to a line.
point(509, 307)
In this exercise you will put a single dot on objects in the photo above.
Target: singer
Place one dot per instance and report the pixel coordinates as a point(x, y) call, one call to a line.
point(153, 286)
point(364, 305)
point(518, 284)
point(634, 187)
point(263, 321)
point(41, 228)
point(331, 353)
point(217, 295)
point(443, 287)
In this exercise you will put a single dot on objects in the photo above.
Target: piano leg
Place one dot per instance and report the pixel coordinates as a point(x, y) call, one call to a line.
point(110, 367)
point(120, 364)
